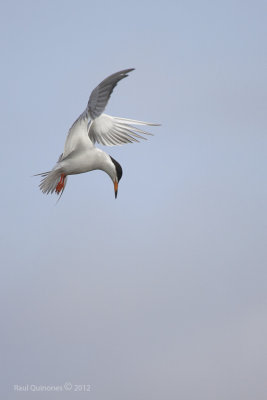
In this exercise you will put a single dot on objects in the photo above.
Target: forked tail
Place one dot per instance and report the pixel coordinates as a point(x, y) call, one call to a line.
point(53, 181)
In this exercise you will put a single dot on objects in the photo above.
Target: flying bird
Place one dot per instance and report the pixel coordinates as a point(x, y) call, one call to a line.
point(80, 154)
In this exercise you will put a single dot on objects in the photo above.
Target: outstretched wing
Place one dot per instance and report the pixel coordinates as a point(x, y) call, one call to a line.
point(77, 136)
point(112, 131)
point(101, 94)
point(103, 128)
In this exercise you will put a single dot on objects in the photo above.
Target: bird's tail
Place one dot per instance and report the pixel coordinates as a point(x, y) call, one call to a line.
point(53, 181)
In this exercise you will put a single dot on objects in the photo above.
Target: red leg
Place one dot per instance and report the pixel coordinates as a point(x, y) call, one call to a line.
point(60, 184)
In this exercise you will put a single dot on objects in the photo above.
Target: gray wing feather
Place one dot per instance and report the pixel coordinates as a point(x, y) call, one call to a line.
point(112, 131)
point(101, 94)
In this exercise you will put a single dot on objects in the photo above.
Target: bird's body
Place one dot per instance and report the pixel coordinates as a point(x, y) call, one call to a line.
point(80, 154)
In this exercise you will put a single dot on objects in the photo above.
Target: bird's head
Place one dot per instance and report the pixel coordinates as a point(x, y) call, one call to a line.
point(116, 175)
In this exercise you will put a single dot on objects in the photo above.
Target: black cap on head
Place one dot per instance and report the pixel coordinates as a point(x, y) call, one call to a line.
point(118, 168)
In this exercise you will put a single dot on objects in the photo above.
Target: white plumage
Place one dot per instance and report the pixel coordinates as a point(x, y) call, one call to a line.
point(92, 126)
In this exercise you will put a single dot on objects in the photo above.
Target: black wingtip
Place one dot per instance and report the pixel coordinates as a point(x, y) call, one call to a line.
point(127, 71)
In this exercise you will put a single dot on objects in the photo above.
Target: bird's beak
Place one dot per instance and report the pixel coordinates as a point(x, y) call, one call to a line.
point(116, 188)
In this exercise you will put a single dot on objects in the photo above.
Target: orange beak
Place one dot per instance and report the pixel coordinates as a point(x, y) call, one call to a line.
point(115, 188)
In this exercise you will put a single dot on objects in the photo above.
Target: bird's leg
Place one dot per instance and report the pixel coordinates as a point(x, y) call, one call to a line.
point(60, 184)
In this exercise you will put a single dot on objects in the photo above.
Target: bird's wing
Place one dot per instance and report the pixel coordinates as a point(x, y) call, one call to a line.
point(103, 128)
point(77, 136)
point(112, 131)
point(78, 133)
point(101, 94)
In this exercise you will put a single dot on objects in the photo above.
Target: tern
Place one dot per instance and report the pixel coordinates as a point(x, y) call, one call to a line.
point(80, 154)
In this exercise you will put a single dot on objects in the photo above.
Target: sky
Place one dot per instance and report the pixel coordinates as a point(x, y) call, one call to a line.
point(161, 293)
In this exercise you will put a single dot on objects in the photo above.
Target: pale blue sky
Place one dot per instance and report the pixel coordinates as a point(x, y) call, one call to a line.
point(160, 294)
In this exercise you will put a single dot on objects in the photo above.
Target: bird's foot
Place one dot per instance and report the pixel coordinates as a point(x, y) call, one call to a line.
point(60, 184)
